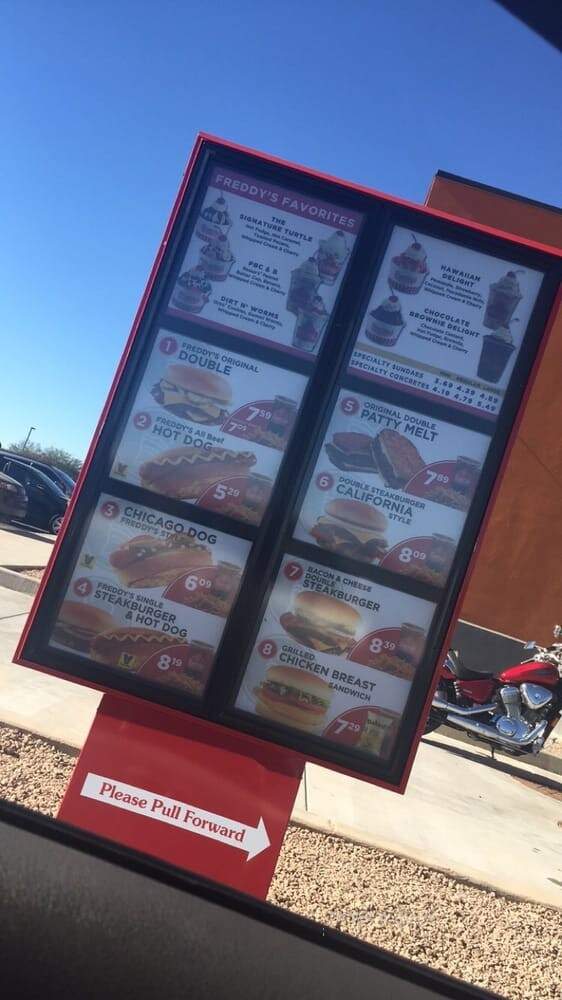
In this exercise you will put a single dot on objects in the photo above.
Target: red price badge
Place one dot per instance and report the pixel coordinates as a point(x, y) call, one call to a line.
point(142, 421)
point(293, 571)
point(82, 587)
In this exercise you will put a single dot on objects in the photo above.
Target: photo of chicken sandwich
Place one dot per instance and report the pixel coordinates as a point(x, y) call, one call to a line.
point(294, 698)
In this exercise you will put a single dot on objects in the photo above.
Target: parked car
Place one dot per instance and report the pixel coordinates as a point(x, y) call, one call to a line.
point(46, 502)
point(13, 499)
point(60, 478)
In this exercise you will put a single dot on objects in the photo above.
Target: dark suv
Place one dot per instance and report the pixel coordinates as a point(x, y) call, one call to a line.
point(61, 479)
point(13, 499)
point(46, 502)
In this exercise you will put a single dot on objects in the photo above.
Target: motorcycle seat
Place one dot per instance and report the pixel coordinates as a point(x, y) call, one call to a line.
point(463, 672)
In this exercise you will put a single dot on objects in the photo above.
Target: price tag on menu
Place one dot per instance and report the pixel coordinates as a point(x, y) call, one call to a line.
point(150, 594)
point(265, 263)
point(209, 426)
point(445, 322)
point(335, 656)
point(392, 487)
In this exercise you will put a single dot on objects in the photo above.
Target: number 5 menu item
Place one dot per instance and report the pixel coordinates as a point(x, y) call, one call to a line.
point(209, 426)
point(150, 594)
point(335, 657)
point(264, 262)
point(445, 322)
point(391, 488)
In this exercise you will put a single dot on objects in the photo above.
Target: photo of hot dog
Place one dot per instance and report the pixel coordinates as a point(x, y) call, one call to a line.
point(186, 472)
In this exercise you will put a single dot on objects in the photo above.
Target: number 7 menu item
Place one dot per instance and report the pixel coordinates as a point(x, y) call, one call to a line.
point(264, 262)
point(150, 594)
point(392, 487)
point(209, 426)
point(335, 656)
point(445, 322)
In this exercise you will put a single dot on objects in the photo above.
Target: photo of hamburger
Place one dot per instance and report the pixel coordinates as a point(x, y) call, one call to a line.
point(185, 473)
point(322, 622)
point(146, 561)
point(351, 451)
point(352, 528)
point(78, 624)
point(294, 698)
point(199, 396)
point(128, 647)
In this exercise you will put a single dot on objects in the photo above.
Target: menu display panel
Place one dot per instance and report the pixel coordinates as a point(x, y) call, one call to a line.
point(150, 594)
point(392, 487)
point(445, 322)
point(265, 262)
point(335, 656)
point(209, 426)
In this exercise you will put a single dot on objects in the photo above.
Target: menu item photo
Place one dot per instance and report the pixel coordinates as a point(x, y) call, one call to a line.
point(265, 263)
point(209, 427)
point(335, 656)
point(150, 594)
point(445, 322)
point(389, 486)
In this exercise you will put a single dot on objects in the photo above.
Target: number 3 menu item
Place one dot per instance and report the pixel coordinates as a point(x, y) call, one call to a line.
point(150, 594)
point(264, 262)
point(391, 488)
point(209, 426)
point(445, 322)
point(335, 657)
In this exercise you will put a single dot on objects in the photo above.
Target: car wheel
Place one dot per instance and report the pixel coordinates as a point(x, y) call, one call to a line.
point(55, 523)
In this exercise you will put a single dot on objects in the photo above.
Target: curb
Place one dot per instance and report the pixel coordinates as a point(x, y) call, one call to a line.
point(543, 761)
point(13, 580)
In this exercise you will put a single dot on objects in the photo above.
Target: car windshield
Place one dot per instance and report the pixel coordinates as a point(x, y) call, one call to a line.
point(40, 478)
point(68, 483)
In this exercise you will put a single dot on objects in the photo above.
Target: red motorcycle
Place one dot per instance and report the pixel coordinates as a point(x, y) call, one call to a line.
point(514, 710)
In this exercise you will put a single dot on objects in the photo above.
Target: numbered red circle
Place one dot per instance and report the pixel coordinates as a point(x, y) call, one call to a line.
point(293, 571)
point(349, 405)
point(267, 649)
point(142, 421)
point(324, 481)
point(110, 509)
point(82, 587)
point(168, 345)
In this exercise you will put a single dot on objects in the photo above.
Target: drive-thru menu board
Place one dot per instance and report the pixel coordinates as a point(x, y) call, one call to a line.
point(288, 480)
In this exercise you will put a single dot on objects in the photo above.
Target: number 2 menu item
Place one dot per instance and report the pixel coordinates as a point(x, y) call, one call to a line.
point(427, 325)
point(265, 262)
point(150, 594)
point(390, 488)
point(209, 426)
point(334, 656)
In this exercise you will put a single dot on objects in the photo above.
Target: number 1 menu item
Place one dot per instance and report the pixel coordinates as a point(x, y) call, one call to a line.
point(392, 487)
point(209, 426)
point(264, 262)
point(446, 322)
point(150, 594)
point(335, 656)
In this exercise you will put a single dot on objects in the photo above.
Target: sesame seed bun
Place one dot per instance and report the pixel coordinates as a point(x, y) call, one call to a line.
point(321, 609)
point(204, 383)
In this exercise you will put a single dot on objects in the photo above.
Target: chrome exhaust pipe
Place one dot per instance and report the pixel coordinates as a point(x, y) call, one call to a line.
point(447, 706)
point(491, 733)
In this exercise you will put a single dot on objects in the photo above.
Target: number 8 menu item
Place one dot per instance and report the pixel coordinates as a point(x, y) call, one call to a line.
point(150, 594)
point(335, 656)
point(445, 322)
point(392, 487)
point(209, 426)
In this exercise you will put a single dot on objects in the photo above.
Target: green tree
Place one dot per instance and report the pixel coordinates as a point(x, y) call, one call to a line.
point(52, 456)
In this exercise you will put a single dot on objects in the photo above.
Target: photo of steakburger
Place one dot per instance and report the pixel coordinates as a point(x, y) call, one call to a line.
point(78, 624)
point(294, 698)
point(322, 622)
point(128, 647)
point(352, 528)
point(199, 396)
point(146, 561)
point(185, 473)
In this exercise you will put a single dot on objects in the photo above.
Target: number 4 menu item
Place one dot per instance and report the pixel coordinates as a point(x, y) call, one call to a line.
point(265, 262)
point(391, 488)
point(209, 426)
point(445, 322)
point(150, 594)
point(335, 656)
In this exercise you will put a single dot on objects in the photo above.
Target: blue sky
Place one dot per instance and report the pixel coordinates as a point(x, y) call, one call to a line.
point(100, 103)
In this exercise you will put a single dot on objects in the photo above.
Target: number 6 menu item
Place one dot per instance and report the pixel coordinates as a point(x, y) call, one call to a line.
point(445, 322)
point(264, 262)
point(392, 487)
point(209, 426)
point(150, 594)
point(335, 656)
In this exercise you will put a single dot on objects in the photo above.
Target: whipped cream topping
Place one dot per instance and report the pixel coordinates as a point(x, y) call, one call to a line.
point(195, 278)
point(217, 212)
point(220, 250)
point(389, 309)
point(335, 246)
point(503, 333)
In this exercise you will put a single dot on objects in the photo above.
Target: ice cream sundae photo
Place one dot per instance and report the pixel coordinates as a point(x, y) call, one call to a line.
point(303, 285)
point(497, 348)
point(332, 255)
point(409, 269)
point(216, 259)
point(310, 325)
point(503, 298)
point(192, 290)
point(385, 323)
point(214, 221)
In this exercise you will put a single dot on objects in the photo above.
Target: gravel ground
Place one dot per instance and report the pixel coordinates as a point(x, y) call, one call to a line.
point(506, 946)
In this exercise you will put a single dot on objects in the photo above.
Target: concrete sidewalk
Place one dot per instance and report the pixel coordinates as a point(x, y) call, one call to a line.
point(20, 546)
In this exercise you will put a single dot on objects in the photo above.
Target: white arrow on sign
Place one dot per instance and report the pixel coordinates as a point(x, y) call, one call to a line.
point(251, 839)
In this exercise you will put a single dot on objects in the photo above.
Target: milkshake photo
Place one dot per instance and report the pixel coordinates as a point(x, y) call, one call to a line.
point(214, 221)
point(503, 298)
point(310, 325)
point(216, 259)
point(497, 348)
point(332, 255)
point(305, 280)
point(385, 323)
